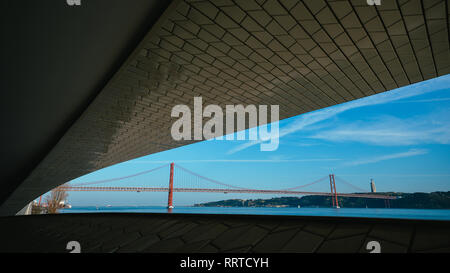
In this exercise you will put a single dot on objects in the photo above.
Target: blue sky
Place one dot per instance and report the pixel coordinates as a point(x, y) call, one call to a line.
point(400, 138)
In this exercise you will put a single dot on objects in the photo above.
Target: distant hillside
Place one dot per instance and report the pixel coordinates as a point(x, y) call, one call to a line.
point(434, 200)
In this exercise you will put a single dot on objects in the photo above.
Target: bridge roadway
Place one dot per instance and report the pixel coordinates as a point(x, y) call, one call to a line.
point(148, 189)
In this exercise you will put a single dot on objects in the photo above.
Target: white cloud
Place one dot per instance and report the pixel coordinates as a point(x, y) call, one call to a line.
point(424, 100)
point(389, 131)
point(412, 152)
point(314, 117)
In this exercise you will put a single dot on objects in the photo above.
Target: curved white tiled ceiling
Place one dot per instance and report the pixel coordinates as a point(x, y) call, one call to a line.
point(301, 55)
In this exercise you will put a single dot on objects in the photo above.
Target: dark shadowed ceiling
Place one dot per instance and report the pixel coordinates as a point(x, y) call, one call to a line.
point(55, 59)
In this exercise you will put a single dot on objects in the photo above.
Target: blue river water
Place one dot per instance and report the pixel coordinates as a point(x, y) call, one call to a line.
point(431, 214)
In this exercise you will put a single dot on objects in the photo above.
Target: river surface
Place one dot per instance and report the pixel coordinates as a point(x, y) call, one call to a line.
point(434, 214)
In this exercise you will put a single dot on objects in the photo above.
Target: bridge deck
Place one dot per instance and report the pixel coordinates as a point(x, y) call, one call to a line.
point(149, 189)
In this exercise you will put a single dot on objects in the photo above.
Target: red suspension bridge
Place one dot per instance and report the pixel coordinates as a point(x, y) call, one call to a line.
point(200, 183)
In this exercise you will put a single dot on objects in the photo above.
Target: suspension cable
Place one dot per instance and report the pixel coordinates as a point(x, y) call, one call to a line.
point(209, 179)
point(309, 184)
point(349, 184)
point(120, 178)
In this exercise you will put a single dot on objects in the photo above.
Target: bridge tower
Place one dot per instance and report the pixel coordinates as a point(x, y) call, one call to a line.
point(170, 201)
point(332, 191)
point(372, 186)
point(334, 199)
